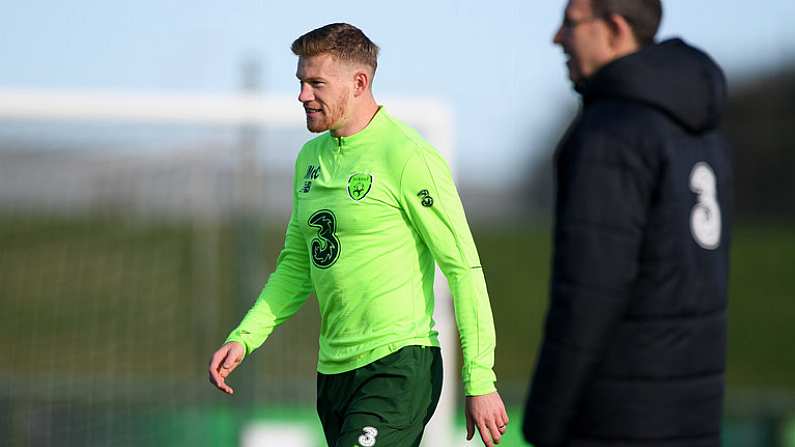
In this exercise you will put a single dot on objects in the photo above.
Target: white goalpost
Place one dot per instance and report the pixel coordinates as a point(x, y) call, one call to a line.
point(431, 117)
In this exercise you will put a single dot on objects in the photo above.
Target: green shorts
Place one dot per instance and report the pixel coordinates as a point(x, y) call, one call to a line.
point(384, 404)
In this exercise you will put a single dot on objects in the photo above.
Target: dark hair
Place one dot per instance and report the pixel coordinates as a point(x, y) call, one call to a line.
point(341, 40)
point(643, 16)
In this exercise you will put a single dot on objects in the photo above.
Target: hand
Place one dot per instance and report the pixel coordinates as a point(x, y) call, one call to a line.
point(223, 362)
point(487, 413)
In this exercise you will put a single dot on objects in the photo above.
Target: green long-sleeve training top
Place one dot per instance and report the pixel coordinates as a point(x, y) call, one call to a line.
point(371, 213)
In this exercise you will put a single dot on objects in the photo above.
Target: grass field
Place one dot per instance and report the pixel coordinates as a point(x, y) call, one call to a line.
point(75, 281)
point(104, 308)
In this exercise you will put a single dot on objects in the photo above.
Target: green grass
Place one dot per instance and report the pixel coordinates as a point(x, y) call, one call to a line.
point(762, 307)
point(516, 266)
point(121, 287)
point(102, 308)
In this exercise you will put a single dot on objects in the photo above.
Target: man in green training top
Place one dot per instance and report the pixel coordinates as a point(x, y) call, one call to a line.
point(373, 206)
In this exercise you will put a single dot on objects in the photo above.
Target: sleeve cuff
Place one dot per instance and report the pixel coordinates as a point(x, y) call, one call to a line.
point(480, 382)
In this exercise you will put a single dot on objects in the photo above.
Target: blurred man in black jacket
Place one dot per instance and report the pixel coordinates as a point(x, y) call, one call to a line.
point(634, 343)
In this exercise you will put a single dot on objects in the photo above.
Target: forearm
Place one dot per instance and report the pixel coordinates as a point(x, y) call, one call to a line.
point(283, 295)
point(476, 331)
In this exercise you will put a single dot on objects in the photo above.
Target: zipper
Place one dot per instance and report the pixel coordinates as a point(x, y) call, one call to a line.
point(337, 155)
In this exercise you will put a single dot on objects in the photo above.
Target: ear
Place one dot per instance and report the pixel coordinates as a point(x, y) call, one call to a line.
point(622, 39)
point(361, 82)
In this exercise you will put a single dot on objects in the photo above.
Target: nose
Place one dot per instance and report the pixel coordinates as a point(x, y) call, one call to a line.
point(557, 39)
point(305, 94)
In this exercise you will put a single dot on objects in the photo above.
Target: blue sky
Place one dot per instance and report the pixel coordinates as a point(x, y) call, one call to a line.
point(493, 62)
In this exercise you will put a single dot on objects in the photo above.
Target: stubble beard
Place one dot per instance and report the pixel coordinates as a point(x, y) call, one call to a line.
point(332, 119)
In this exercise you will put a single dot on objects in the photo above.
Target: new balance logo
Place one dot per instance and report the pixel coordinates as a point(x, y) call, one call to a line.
point(312, 173)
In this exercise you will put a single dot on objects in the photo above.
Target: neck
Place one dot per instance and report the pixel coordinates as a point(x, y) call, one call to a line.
point(626, 47)
point(361, 116)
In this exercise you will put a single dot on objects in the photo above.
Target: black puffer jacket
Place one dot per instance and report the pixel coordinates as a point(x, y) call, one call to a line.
point(634, 343)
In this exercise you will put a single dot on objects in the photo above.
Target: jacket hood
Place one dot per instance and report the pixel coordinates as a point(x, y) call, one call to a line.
point(672, 76)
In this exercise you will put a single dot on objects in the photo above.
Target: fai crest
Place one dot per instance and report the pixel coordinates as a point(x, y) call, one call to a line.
point(359, 185)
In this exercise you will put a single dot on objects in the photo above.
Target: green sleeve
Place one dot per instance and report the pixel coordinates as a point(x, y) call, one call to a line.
point(434, 208)
point(284, 293)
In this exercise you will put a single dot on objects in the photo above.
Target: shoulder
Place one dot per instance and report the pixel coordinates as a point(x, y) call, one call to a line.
point(619, 118)
point(619, 131)
point(310, 150)
point(608, 145)
point(403, 144)
point(313, 145)
point(630, 121)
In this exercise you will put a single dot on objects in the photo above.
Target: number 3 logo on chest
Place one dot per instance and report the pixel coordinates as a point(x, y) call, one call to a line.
point(325, 246)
